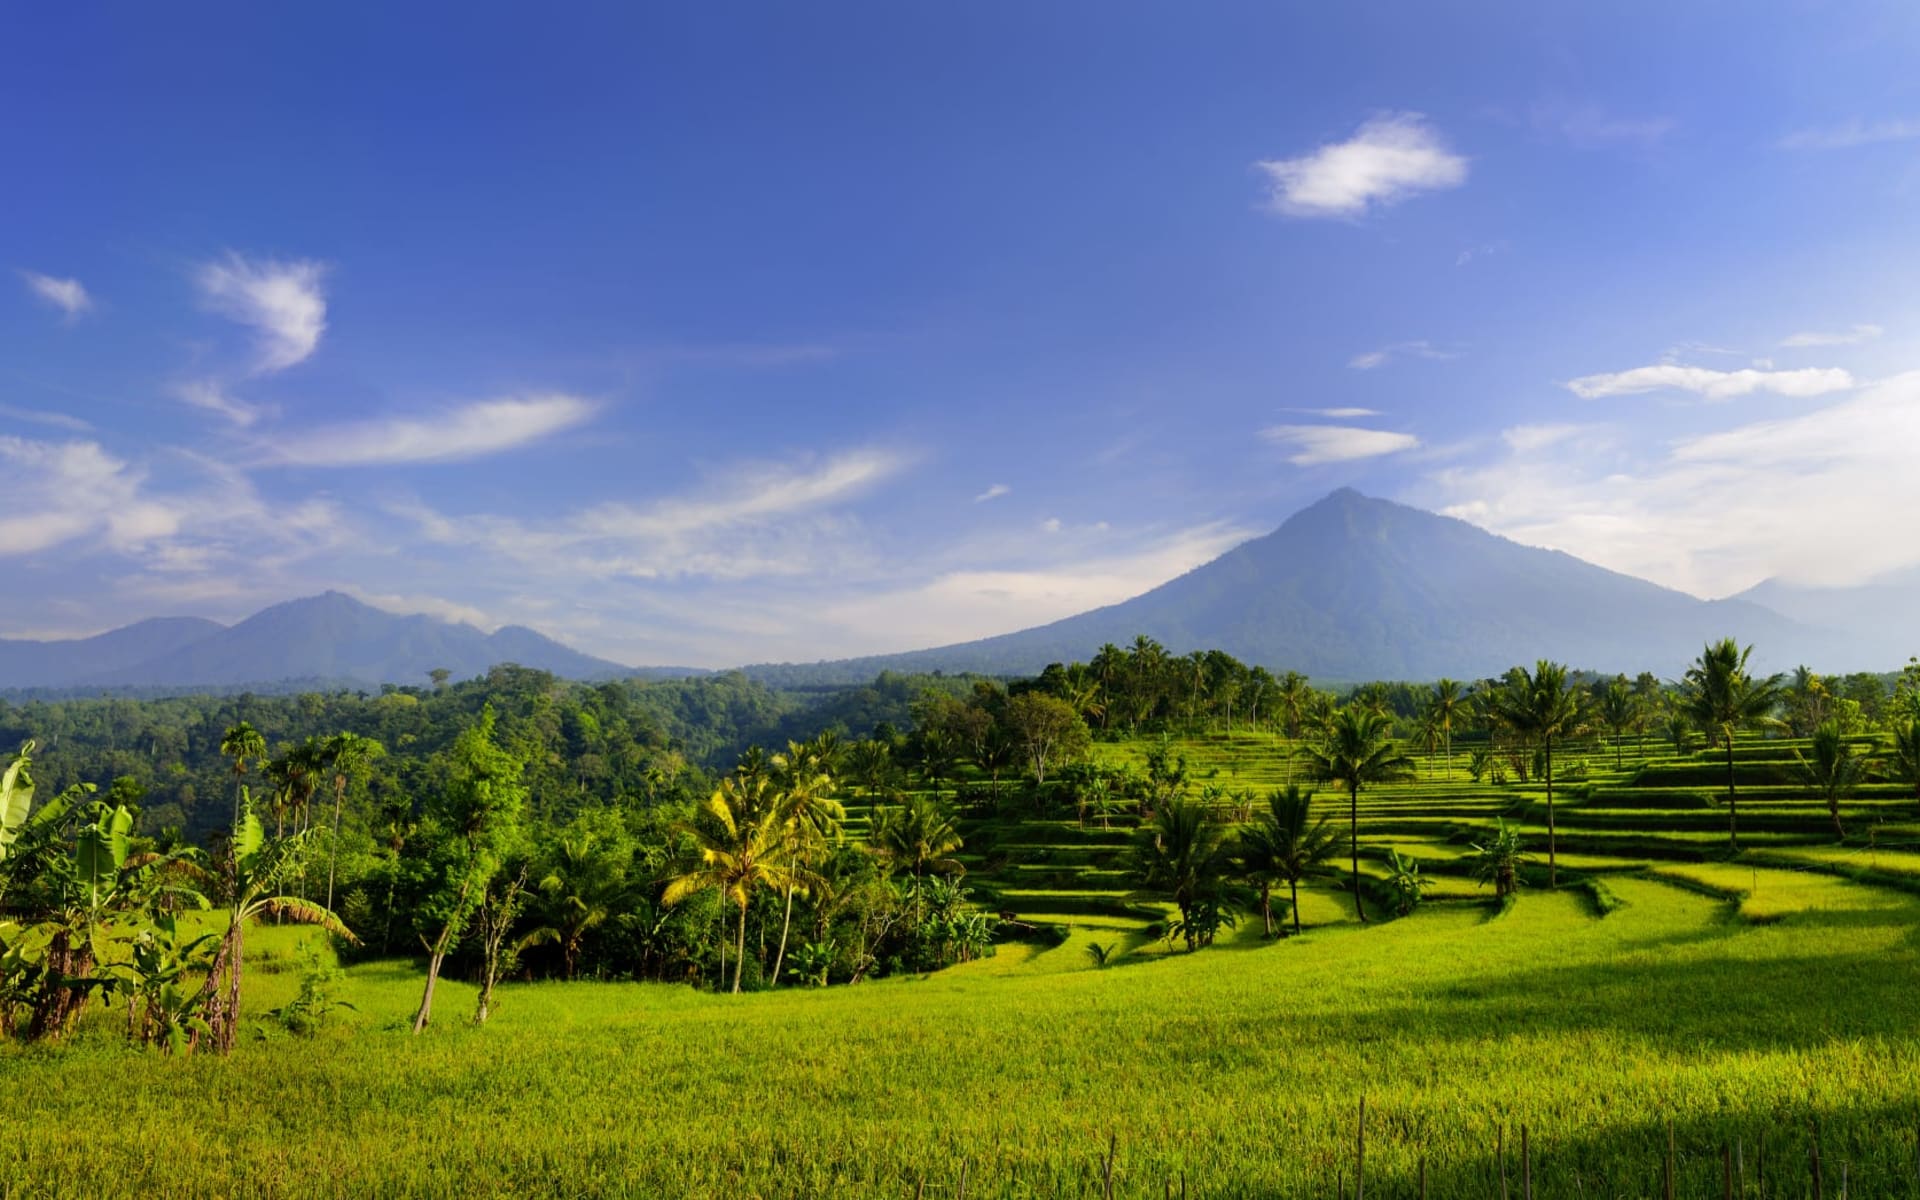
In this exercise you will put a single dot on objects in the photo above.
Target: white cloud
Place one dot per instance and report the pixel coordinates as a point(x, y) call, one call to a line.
point(57, 420)
point(1850, 133)
point(1713, 385)
point(1806, 498)
point(992, 493)
point(1525, 439)
point(1315, 444)
point(1855, 336)
point(471, 431)
point(1051, 525)
point(1386, 354)
point(1391, 157)
point(281, 300)
point(210, 395)
point(67, 295)
point(1590, 125)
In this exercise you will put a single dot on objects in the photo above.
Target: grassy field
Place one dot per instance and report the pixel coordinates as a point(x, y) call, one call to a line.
point(1736, 1000)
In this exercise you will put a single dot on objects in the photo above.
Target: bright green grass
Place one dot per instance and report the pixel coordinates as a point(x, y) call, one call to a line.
point(1241, 1067)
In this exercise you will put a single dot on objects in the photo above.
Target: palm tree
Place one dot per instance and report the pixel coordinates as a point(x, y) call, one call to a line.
point(345, 755)
point(1905, 763)
point(242, 742)
point(1182, 856)
point(872, 762)
point(917, 833)
point(1446, 704)
point(584, 888)
point(1355, 751)
point(1619, 711)
point(808, 813)
point(1720, 696)
point(1286, 845)
point(1541, 706)
point(1833, 771)
point(256, 867)
point(741, 847)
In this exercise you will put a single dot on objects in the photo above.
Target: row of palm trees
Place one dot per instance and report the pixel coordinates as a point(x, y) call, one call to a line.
point(297, 774)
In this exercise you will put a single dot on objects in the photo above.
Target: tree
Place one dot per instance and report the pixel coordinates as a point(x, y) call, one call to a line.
point(810, 815)
point(1619, 710)
point(1181, 855)
point(1832, 771)
point(1404, 883)
point(1905, 763)
point(1356, 751)
point(583, 884)
point(740, 847)
point(1446, 704)
point(1047, 729)
point(1499, 861)
point(241, 743)
point(473, 818)
point(1541, 706)
point(346, 755)
point(1286, 845)
point(1720, 696)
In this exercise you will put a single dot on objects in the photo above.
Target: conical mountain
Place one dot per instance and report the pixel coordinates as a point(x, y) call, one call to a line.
point(1354, 588)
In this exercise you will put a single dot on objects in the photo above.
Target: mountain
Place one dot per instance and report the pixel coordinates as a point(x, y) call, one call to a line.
point(1874, 623)
point(25, 664)
point(1354, 588)
point(331, 639)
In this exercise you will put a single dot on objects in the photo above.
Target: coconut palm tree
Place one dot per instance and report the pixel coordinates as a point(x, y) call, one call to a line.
point(1447, 704)
point(1905, 763)
point(1354, 751)
point(1286, 845)
point(584, 887)
point(1720, 696)
point(1541, 706)
point(344, 755)
point(241, 743)
point(1833, 771)
point(810, 815)
point(741, 847)
point(1619, 710)
point(917, 834)
point(1182, 856)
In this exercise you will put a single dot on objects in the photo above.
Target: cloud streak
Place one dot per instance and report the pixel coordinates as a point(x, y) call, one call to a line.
point(1710, 384)
point(468, 432)
point(1851, 133)
point(67, 295)
point(1313, 445)
point(1856, 336)
point(1390, 158)
point(281, 301)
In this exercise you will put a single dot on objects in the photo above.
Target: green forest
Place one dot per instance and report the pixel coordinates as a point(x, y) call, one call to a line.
point(808, 935)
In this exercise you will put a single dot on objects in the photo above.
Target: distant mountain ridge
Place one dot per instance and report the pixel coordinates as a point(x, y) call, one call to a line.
point(1354, 588)
point(331, 638)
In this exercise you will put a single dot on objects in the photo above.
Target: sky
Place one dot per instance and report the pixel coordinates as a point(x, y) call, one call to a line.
point(724, 333)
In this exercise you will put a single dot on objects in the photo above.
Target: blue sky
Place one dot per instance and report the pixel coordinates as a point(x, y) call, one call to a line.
point(707, 334)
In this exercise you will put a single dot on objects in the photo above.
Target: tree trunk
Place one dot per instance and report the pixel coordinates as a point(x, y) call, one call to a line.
point(1266, 906)
point(1293, 888)
point(1833, 807)
point(425, 1014)
point(1553, 865)
point(740, 950)
point(786, 923)
point(333, 848)
point(1733, 797)
point(1353, 797)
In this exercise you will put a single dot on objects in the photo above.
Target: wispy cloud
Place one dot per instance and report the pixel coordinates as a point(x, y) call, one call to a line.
point(1710, 384)
point(212, 396)
point(1389, 158)
point(471, 431)
point(1337, 414)
point(1858, 335)
point(1316, 444)
point(1480, 251)
point(1525, 439)
point(1715, 513)
point(1589, 125)
point(67, 295)
point(1850, 133)
point(54, 420)
point(992, 493)
point(282, 301)
point(1386, 354)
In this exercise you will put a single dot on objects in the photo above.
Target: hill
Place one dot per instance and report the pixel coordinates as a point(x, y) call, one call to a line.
point(1873, 621)
point(1354, 588)
point(331, 638)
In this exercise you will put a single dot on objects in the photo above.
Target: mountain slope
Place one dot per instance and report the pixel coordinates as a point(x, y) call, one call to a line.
point(1874, 623)
point(1354, 588)
point(26, 664)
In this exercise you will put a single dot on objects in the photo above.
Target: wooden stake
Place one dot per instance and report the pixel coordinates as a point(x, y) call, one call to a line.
point(1818, 1191)
point(1360, 1156)
point(1666, 1188)
point(1526, 1165)
point(1500, 1156)
point(1726, 1169)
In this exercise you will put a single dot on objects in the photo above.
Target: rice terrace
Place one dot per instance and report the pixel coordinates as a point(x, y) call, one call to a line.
point(960, 602)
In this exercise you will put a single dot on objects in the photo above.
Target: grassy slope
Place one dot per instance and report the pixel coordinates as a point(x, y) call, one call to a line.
point(1730, 998)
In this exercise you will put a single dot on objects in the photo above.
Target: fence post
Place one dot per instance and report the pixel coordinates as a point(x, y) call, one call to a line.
point(1500, 1156)
point(1360, 1156)
point(1526, 1164)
